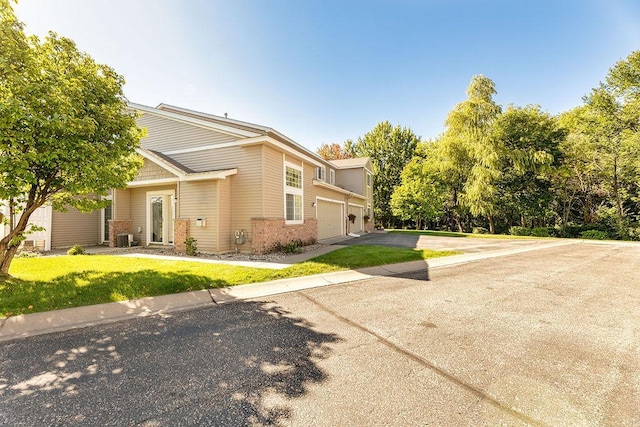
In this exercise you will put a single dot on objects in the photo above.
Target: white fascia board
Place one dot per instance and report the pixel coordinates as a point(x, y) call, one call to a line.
point(280, 145)
point(190, 120)
point(202, 176)
point(160, 162)
point(150, 182)
point(323, 184)
point(300, 147)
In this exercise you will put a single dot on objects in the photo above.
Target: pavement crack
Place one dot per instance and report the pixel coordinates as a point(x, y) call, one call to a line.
point(425, 363)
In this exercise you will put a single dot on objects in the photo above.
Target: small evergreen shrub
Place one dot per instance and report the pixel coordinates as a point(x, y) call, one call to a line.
point(480, 230)
point(191, 246)
point(594, 235)
point(519, 231)
point(540, 232)
point(76, 250)
point(292, 247)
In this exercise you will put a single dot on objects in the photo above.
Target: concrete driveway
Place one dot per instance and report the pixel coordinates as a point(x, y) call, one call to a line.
point(549, 337)
point(463, 244)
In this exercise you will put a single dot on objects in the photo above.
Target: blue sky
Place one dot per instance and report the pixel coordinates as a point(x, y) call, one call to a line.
point(325, 70)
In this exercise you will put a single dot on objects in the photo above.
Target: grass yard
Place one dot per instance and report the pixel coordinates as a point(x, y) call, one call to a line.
point(468, 235)
point(50, 283)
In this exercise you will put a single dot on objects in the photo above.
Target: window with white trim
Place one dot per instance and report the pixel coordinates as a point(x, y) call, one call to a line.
point(332, 177)
point(320, 173)
point(368, 179)
point(293, 194)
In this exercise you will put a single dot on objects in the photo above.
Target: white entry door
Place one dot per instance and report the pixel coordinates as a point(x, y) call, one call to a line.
point(160, 214)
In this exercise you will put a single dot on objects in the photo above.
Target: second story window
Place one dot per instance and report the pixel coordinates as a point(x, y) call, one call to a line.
point(293, 194)
point(332, 177)
point(320, 173)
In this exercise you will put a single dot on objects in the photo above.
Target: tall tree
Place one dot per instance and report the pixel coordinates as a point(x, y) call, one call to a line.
point(528, 141)
point(611, 120)
point(390, 148)
point(333, 152)
point(469, 157)
point(66, 132)
point(421, 195)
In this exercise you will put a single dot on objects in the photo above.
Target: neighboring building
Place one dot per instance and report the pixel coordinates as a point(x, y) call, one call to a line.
point(230, 185)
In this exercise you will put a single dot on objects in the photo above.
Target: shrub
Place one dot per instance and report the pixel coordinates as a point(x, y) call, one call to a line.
point(28, 254)
point(191, 246)
point(594, 235)
point(519, 231)
point(76, 250)
point(480, 230)
point(292, 247)
point(540, 232)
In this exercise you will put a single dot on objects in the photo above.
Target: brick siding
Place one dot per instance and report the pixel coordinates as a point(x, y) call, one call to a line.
point(118, 227)
point(269, 235)
point(180, 234)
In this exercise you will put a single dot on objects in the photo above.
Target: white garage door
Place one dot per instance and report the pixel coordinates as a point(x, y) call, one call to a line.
point(330, 219)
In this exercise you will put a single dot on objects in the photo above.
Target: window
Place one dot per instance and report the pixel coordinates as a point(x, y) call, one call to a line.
point(320, 173)
point(332, 177)
point(368, 179)
point(293, 194)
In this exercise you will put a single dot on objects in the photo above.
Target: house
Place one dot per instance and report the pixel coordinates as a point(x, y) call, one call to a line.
point(230, 185)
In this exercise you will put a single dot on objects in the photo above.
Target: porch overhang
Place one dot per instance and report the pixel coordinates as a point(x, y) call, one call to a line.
point(196, 176)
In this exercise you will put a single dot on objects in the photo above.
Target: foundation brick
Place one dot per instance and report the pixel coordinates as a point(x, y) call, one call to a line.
point(270, 234)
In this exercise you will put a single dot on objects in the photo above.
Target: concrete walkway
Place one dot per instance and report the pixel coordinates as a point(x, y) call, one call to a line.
point(60, 320)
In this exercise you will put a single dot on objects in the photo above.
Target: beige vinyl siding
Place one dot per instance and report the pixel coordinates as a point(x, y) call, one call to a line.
point(351, 179)
point(166, 134)
point(199, 200)
point(74, 228)
point(150, 170)
point(273, 183)
point(358, 224)
point(225, 233)
point(246, 189)
point(139, 209)
point(122, 204)
point(311, 191)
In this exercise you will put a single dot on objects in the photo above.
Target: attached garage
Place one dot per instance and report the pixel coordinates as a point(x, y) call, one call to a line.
point(330, 215)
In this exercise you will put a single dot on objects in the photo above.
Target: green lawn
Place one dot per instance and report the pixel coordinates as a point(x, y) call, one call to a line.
point(50, 283)
point(468, 235)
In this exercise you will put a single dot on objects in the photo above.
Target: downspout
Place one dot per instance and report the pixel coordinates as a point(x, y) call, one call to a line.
point(346, 217)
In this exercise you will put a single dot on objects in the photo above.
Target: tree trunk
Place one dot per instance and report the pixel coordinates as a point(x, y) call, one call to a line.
point(523, 221)
point(6, 256)
point(616, 190)
point(11, 242)
point(492, 229)
point(456, 216)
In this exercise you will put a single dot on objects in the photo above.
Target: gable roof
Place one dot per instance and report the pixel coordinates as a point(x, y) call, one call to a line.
point(357, 162)
point(240, 125)
point(181, 172)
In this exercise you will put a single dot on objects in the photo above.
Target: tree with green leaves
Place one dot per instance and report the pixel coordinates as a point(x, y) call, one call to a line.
point(67, 135)
point(390, 148)
point(421, 195)
point(610, 120)
point(528, 141)
point(468, 156)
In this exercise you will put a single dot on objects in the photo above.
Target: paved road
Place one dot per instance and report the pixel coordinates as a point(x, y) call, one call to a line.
point(549, 337)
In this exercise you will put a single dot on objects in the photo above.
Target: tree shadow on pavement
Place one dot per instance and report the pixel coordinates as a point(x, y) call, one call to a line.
point(235, 364)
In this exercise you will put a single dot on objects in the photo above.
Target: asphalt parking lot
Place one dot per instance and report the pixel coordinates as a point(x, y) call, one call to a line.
point(546, 337)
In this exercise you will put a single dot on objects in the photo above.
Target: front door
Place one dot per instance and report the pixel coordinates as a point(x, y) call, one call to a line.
point(160, 218)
